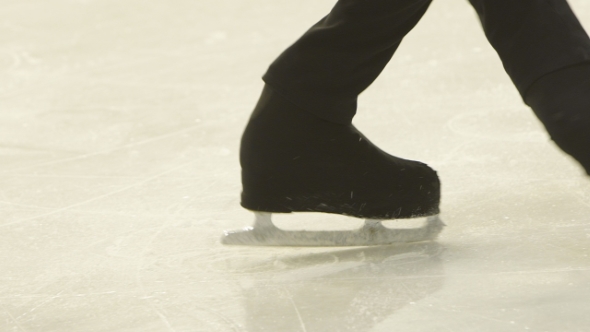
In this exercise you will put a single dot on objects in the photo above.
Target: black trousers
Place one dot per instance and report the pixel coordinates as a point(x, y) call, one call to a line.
point(341, 55)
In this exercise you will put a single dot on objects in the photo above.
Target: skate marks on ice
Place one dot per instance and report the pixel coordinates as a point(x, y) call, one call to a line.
point(344, 290)
point(373, 232)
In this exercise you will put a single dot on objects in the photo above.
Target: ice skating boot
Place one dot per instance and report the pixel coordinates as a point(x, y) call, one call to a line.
point(293, 161)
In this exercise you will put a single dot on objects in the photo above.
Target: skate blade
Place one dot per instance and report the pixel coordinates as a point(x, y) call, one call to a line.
point(265, 233)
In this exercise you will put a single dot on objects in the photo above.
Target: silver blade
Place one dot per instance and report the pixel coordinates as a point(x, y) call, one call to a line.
point(265, 233)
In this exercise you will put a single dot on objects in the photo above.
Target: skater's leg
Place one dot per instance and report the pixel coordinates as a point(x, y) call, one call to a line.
point(546, 53)
point(340, 56)
point(561, 101)
point(533, 37)
point(300, 152)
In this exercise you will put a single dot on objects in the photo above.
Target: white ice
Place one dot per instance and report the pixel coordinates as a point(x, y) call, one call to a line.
point(119, 133)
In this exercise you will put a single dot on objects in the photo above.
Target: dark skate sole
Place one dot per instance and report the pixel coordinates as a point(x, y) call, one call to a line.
point(366, 210)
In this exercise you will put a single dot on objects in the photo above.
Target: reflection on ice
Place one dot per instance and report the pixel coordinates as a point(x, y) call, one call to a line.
point(345, 290)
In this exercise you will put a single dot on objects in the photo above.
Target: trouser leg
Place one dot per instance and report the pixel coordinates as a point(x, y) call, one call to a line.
point(533, 37)
point(293, 160)
point(546, 52)
point(341, 55)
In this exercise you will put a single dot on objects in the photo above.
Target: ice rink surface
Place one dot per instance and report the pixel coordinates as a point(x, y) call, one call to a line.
point(119, 133)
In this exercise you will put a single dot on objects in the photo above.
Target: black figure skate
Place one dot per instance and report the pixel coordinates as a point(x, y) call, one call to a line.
point(293, 161)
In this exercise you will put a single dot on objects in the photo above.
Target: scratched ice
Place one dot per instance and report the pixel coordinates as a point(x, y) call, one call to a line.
point(119, 136)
